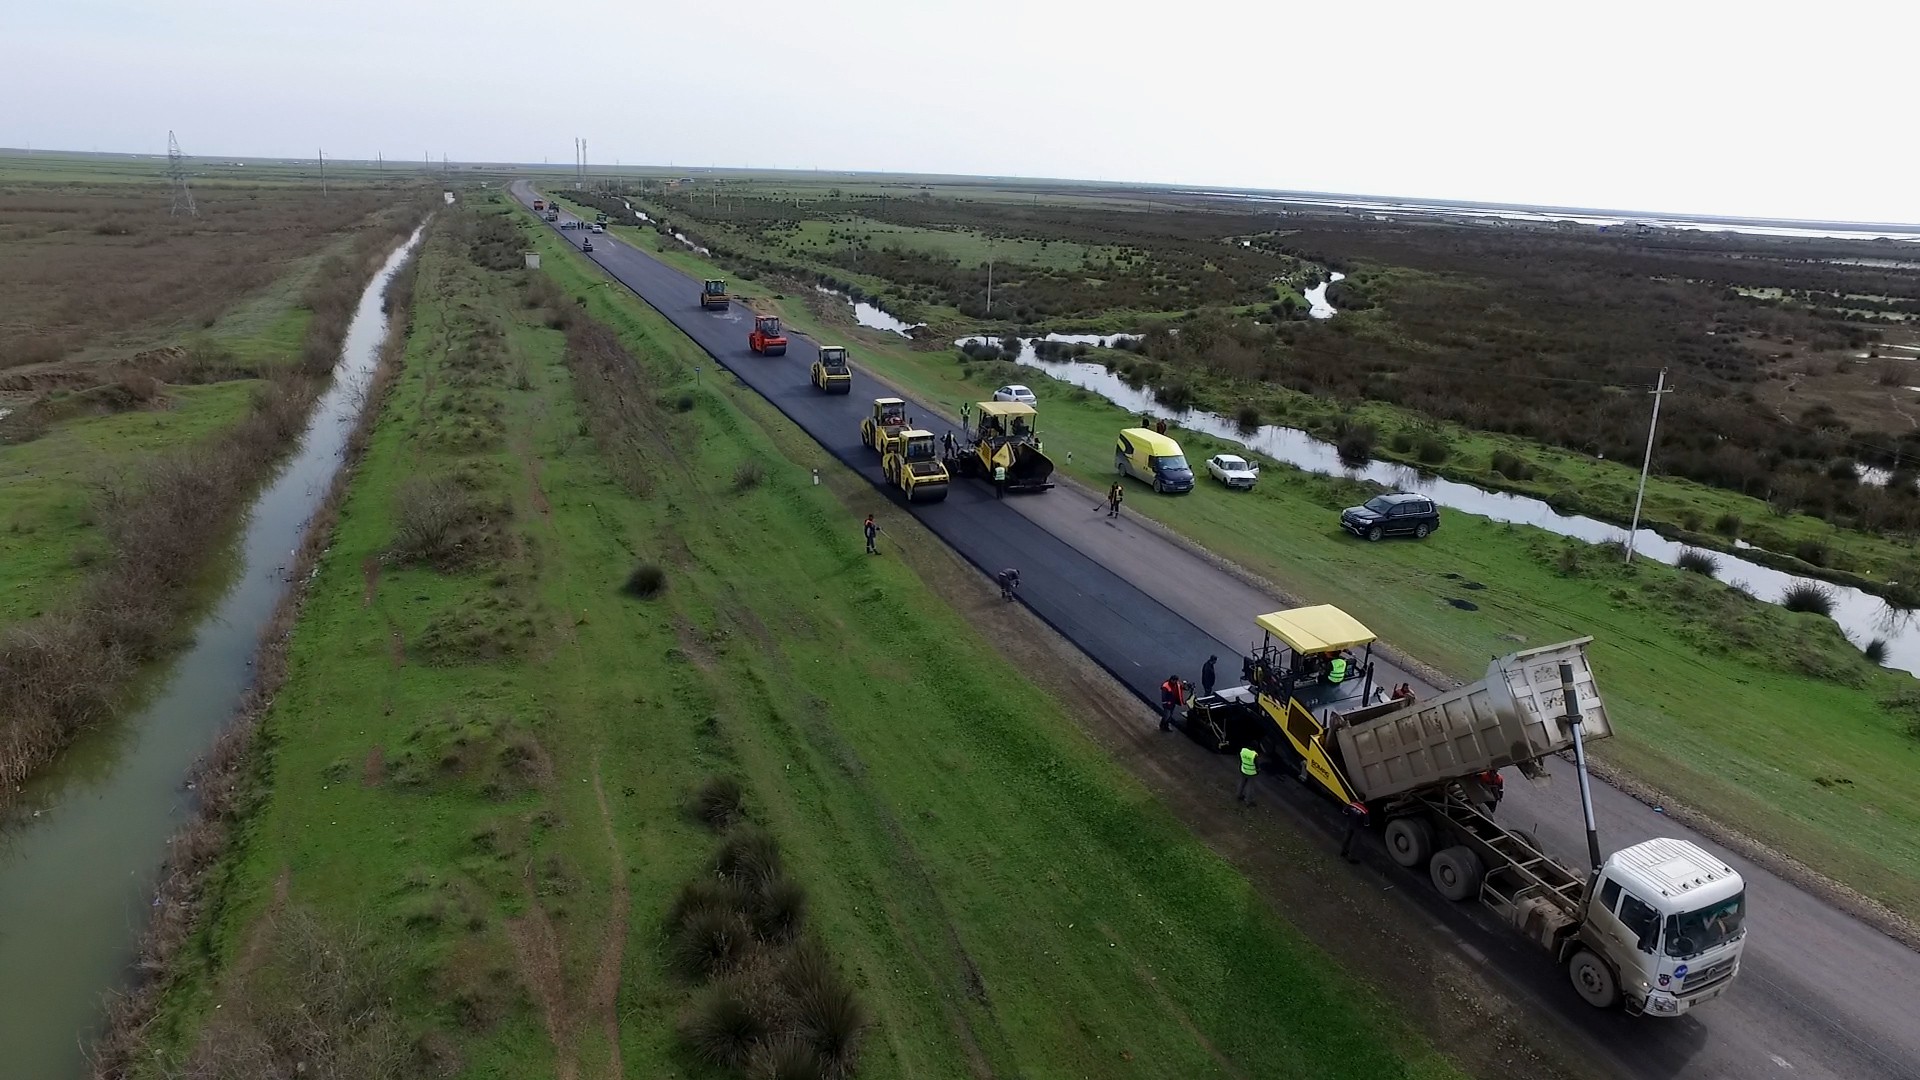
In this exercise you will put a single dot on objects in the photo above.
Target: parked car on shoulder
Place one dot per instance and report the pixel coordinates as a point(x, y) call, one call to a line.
point(1016, 392)
point(1233, 471)
point(1398, 514)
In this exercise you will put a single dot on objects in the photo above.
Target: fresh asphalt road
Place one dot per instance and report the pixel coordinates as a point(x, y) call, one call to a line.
point(1820, 994)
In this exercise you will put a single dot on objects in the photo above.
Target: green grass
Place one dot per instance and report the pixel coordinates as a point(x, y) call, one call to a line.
point(1711, 693)
point(48, 535)
point(1000, 890)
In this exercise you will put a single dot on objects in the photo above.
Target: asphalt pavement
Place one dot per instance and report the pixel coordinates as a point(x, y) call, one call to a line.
point(1820, 993)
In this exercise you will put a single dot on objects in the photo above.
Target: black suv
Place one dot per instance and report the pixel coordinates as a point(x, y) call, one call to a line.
point(1392, 515)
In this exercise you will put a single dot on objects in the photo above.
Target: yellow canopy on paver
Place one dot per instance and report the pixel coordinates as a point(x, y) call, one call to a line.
point(1319, 629)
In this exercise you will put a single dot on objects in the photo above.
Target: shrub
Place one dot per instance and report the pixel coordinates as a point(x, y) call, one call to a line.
point(1247, 419)
point(725, 1026)
point(719, 801)
point(1356, 446)
point(703, 896)
point(646, 582)
point(711, 941)
point(750, 856)
point(1175, 394)
point(787, 1059)
point(779, 910)
point(748, 474)
point(683, 403)
point(431, 511)
point(1690, 520)
point(1807, 596)
point(1876, 651)
point(1432, 449)
point(1728, 524)
point(1812, 551)
point(1512, 466)
point(827, 1013)
point(1401, 442)
point(1697, 561)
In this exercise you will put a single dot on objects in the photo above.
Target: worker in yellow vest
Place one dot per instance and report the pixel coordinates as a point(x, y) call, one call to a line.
point(1249, 768)
point(1337, 671)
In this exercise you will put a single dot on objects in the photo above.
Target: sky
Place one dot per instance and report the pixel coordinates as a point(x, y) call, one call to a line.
point(1687, 106)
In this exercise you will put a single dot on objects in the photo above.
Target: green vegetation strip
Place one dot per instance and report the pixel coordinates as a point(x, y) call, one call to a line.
point(1767, 720)
point(476, 740)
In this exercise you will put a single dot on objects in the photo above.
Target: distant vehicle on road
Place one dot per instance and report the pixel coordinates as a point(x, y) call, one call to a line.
point(599, 228)
point(587, 244)
point(1016, 392)
point(1233, 471)
point(1398, 514)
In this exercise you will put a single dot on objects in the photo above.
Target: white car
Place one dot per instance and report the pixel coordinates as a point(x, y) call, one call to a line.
point(597, 227)
point(1233, 470)
point(1016, 392)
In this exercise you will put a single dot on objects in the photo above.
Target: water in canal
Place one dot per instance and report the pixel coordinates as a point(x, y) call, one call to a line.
point(1862, 615)
point(78, 858)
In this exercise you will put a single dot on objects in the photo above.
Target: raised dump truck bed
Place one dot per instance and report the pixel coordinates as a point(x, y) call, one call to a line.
point(1514, 716)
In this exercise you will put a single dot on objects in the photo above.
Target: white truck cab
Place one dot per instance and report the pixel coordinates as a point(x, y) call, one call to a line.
point(1668, 919)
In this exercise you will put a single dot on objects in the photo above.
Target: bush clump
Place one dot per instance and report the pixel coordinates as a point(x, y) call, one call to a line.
point(647, 581)
point(1247, 419)
point(1728, 524)
point(1432, 449)
point(1813, 552)
point(748, 474)
point(1807, 596)
point(1512, 466)
point(720, 801)
point(1697, 561)
point(1876, 651)
point(431, 511)
point(1356, 446)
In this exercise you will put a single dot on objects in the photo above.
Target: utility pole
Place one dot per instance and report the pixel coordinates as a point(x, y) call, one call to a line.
point(323, 171)
point(989, 277)
point(1659, 391)
point(177, 178)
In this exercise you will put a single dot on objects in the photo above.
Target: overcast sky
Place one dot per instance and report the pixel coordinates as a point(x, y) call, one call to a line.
point(1682, 105)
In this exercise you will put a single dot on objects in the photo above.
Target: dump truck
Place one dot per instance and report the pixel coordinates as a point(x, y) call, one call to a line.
point(888, 419)
point(553, 215)
point(1003, 449)
point(912, 464)
point(766, 338)
point(539, 205)
point(713, 294)
point(830, 372)
point(1656, 928)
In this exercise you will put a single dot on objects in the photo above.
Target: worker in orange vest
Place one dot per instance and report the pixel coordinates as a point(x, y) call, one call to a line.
point(1173, 693)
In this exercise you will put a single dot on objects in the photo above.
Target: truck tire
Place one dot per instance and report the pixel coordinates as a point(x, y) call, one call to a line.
point(1119, 465)
point(1410, 841)
point(1457, 873)
point(1593, 980)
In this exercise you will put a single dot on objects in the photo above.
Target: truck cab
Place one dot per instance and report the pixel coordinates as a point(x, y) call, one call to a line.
point(1665, 924)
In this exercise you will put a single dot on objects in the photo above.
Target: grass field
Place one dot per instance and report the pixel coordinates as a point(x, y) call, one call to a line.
point(1766, 720)
point(969, 248)
point(469, 759)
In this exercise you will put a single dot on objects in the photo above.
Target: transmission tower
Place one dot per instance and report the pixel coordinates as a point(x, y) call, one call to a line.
point(177, 177)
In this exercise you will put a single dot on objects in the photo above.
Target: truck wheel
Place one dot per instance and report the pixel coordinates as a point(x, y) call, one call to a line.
point(1593, 980)
point(1410, 841)
point(1119, 465)
point(1374, 534)
point(1457, 872)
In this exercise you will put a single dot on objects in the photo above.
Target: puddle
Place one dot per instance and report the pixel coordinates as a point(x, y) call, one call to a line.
point(1861, 615)
point(79, 856)
point(1317, 297)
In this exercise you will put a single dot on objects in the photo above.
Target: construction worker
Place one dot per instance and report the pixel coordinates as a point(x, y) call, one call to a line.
point(872, 531)
point(999, 481)
point(1009, 580)
point(1115, 496)
point(1336, 670)
point(966, 413)
point(1249, 768)
point(1403, 692)
point(1206, 674)
point(946, 444)
point(1172, 694)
